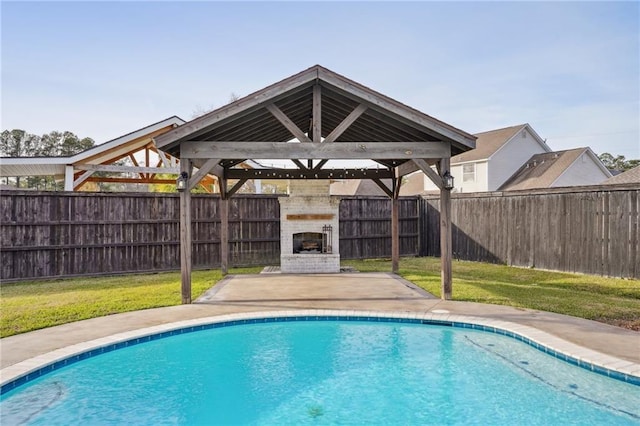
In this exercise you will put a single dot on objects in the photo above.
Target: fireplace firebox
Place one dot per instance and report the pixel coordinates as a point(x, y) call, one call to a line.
point(307, 242)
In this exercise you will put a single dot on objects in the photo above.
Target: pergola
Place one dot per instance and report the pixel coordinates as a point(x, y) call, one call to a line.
point(311, 118)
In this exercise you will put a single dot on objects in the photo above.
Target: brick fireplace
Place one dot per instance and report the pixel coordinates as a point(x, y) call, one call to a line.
point(309, 227)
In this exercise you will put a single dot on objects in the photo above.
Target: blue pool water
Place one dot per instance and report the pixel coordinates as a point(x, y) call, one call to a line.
point(324, 372)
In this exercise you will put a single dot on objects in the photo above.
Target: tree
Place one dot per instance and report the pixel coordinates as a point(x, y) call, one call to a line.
point(619, 163)
point(19, 143)
point(63, 144)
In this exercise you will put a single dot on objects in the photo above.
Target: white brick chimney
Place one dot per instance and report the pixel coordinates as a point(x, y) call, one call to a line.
point(309, 239)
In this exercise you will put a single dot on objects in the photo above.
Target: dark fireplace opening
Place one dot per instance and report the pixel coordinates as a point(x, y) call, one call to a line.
point(307, 243)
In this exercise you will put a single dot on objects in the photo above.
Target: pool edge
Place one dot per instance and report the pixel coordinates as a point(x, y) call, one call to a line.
point(20, 373)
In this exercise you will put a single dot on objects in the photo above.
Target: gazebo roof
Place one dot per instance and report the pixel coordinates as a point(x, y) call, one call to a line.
point(348, 112)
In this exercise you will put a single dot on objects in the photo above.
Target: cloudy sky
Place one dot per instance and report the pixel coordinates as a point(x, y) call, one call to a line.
point(104, 69)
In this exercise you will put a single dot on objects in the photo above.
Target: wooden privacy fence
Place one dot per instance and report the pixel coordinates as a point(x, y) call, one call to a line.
point(49, 234)
point(591, 230)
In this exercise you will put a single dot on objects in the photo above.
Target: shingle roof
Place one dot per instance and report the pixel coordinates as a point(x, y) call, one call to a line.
point(542, 170)
point(630, 176)
point(361, 187)
point(488, 143)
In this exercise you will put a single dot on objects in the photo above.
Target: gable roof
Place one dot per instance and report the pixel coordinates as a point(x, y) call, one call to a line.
point(630, 176)
point(490, 142)
point(99, 154)
point(380, 119)
point(542, 170)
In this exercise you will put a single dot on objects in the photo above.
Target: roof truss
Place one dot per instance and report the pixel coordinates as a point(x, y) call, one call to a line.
point(314, 115)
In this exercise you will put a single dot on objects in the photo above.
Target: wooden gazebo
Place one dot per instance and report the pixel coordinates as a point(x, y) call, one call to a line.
point(311, 118)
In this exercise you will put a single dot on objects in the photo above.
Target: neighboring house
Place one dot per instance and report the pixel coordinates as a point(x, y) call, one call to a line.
point(572, 167)
point(630, 176)
point(361, 187)
point(498, 155)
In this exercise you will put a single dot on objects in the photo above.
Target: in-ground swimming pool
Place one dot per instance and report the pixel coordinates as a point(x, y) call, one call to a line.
point(324, 372)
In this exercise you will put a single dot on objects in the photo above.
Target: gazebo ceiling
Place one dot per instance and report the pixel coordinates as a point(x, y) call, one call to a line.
point(348, 113)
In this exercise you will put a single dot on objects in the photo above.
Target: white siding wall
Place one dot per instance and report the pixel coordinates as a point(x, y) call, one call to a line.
point(510, 157)
point(478, 185)
point(584, 171)
point(428, 184)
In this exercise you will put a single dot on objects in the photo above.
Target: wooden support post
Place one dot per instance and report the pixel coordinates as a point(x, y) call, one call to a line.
point(224, 234)
point(395, 236)
point(445, 235)
point(395, 226)
point(185, 236)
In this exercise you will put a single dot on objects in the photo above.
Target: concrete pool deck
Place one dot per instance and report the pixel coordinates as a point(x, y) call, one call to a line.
point(286, 294)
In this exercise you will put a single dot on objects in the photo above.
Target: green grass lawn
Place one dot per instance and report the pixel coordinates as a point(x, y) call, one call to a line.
point(27, 306)
point(611, 300)
point(33, 305)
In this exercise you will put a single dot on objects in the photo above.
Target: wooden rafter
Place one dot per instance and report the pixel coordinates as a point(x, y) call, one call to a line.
point(210, 166)
point(299, 164)
point(344, 125)
point(286, 122)
point(427, 170)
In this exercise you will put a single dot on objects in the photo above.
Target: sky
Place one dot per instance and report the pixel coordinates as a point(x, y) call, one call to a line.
point(104, 69)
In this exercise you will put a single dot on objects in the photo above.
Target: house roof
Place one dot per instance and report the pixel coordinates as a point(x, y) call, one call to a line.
point(490, 142)
point(358, 187)
point(100, 154)
point(630, 176)
point(270, 114)
point(542, 170)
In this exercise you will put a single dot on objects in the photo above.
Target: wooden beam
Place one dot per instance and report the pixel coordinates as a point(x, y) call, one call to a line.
point(383, 187)
point(209, 166)
point(164, 158)
point(309, 174)
point(310, 216)
point(185, 237)
point(127, 169)
point(235, 187)
point(222, 186)
point(81, 179)
point(396, 188)
point(299, 164)
point(224, 235)
point(424, 166)
point(348, 121)
point(322, 151)
point(317, 114)
point(286, 122)
point(445, 235)
point(320, 164)
point(406, 168)
point(129, 180)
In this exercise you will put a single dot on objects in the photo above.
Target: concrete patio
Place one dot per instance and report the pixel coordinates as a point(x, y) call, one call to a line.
point(371, 292)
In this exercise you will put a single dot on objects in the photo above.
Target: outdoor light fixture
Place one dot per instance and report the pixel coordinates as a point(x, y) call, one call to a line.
point(447, 180)
point(182, 181)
